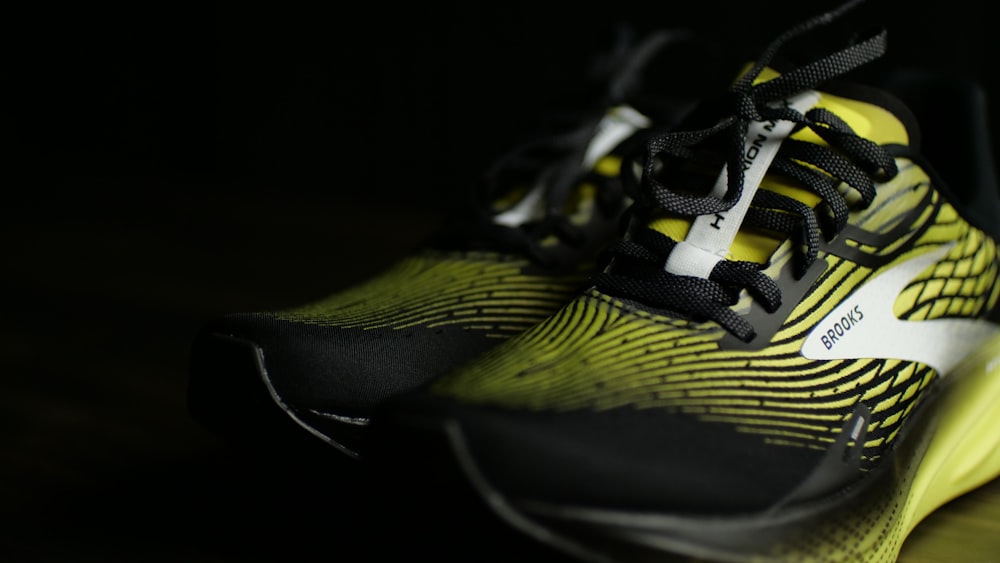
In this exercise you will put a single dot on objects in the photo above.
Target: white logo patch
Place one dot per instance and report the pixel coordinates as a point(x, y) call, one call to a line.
point(864, 326)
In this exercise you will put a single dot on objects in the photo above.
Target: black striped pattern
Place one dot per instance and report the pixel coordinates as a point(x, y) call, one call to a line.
point(600, 353)
point(482, 291)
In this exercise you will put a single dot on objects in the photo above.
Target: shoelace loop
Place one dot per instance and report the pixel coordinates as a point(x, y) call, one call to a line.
point(636, 268)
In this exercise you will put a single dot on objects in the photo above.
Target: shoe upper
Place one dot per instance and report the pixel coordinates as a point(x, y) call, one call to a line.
point(526, 246)
point(758, 337)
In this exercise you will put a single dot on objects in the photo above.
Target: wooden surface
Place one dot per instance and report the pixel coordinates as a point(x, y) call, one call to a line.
point(100, 460)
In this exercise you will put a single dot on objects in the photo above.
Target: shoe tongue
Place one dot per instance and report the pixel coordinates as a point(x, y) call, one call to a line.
point(641, 89)
point(707, 239)
point(518, 207)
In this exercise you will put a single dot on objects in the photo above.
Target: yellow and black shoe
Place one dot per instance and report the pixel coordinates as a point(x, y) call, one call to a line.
point(545, 211)
point(797, 360)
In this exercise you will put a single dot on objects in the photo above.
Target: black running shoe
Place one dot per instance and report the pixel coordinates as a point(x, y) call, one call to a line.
point(546, 210)
point(795, 361)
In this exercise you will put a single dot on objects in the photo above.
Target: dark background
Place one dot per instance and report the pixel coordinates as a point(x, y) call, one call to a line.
point(167, 162)
point(370, 101)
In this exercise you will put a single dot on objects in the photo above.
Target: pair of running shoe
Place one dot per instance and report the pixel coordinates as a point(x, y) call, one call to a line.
point(762, 326)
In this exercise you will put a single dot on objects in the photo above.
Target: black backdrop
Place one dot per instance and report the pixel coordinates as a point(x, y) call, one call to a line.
point(371, 101)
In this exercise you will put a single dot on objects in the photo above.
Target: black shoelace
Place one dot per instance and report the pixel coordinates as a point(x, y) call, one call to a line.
point(636, 270)
point(554, 160)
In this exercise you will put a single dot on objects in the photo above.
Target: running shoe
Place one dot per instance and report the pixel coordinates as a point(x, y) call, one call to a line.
point(544, 212)
point(793, 354)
